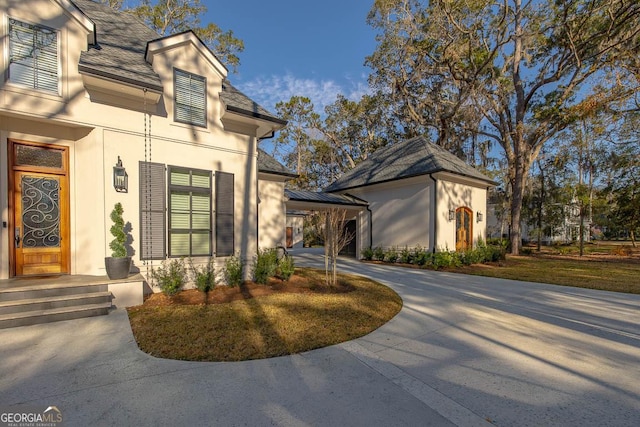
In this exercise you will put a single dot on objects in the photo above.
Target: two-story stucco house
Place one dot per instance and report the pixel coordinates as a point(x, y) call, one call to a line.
point(96, 109)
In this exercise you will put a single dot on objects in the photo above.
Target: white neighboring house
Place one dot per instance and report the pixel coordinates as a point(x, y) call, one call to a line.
point(498, 225)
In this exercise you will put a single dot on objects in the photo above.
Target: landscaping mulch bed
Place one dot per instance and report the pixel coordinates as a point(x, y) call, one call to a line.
point(255, 321)
point(224, 294)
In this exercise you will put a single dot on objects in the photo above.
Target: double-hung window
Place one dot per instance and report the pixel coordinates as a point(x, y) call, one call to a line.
point(190, 224)
point(190, 98)
point(193, 213)
point(33, 56)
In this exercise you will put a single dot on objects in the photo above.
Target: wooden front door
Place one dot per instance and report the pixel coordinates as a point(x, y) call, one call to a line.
point(289, 237)
point(40, 220)
point(464, 229)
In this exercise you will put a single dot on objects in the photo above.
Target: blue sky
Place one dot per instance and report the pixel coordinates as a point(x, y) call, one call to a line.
point(296, 47)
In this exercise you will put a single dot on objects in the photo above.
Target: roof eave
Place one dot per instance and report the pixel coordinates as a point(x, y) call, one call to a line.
point(255, 115)
point(493, 183)
point(88, 70)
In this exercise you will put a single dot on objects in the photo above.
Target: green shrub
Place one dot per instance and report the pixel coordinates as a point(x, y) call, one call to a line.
point(391, 255)
point(171, 276)
point(265, 264)
point(286, 267)
point(367, 254)
point(406, 256)
point(204, 276)
point(378, 253)
point(233, 271)
point(420, 256)
point(446, 259)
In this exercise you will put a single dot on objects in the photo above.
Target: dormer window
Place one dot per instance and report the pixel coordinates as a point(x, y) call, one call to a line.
point(190, 98)
point(33, 56)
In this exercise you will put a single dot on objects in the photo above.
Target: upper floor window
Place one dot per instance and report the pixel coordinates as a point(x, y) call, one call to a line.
point(33, 56)
point(190, 98)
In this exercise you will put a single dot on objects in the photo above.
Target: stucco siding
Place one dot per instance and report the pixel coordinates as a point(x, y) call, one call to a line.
point(454, 193)
point(400, 212)
point(100, 124)
point(272, 217)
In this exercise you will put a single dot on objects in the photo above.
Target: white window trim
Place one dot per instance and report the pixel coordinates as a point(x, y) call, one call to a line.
point(7, 57)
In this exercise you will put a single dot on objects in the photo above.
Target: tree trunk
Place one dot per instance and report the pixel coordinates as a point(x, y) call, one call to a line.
point(582, 215)
point(517, 196)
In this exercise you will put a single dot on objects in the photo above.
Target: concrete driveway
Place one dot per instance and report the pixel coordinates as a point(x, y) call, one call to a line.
point(464, 350)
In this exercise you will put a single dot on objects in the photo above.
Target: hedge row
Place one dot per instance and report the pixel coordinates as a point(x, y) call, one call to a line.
point(424, 258)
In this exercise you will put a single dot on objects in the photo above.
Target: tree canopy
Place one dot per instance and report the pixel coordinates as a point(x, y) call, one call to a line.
point(512, 72)
point(173, 16)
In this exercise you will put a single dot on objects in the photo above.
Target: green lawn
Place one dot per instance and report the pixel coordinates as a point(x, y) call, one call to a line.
point(618, 274)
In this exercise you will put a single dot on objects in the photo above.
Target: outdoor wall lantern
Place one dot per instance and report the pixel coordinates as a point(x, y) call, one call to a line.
point(452, 214)
point(479, 216)
point(120, 177)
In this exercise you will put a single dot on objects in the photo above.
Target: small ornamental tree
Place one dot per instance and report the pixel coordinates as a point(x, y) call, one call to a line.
point(336, 236)
point(118, 244)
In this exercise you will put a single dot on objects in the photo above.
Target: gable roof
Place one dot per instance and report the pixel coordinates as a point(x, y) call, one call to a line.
point(120, 55)
point(267, 164)
point(413, 157)
point(120, 52)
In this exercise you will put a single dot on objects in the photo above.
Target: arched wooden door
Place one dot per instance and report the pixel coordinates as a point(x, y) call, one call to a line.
point(464, 229)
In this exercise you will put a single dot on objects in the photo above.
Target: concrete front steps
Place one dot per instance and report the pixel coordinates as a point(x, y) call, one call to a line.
point(50, 302)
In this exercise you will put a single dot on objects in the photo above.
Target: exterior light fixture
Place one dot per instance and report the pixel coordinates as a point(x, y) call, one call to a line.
point(479, 216)
point(120, 177)
point(452, 214)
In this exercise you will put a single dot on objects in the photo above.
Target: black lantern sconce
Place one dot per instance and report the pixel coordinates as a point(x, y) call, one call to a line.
point(120, 177)
point(452, 214)
point(479, 216)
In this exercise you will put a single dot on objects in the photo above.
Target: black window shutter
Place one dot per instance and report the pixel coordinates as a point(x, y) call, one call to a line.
point(224, 214)
point(152, 211)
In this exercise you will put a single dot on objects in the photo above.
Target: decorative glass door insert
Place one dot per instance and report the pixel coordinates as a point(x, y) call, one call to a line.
point(40, 212)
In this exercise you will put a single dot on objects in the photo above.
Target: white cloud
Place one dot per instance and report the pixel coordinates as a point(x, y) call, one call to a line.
point(267, 91)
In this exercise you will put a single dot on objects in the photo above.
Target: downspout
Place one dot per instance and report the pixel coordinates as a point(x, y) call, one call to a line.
point(435, 212)
point(370, 227)
point(262, 138)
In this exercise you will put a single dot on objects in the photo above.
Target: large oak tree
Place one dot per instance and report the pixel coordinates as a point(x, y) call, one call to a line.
point(511, 71)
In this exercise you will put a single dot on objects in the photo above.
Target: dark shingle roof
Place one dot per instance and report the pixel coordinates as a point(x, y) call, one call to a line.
point(268, 164)
point(326, 198)
point(238, 102)
point(120, 55)
point(122, 43)
point(412, 157)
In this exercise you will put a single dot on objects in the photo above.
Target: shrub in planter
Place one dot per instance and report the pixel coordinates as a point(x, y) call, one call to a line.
point(378, 253)
point(171, 276)
point(118, 264)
